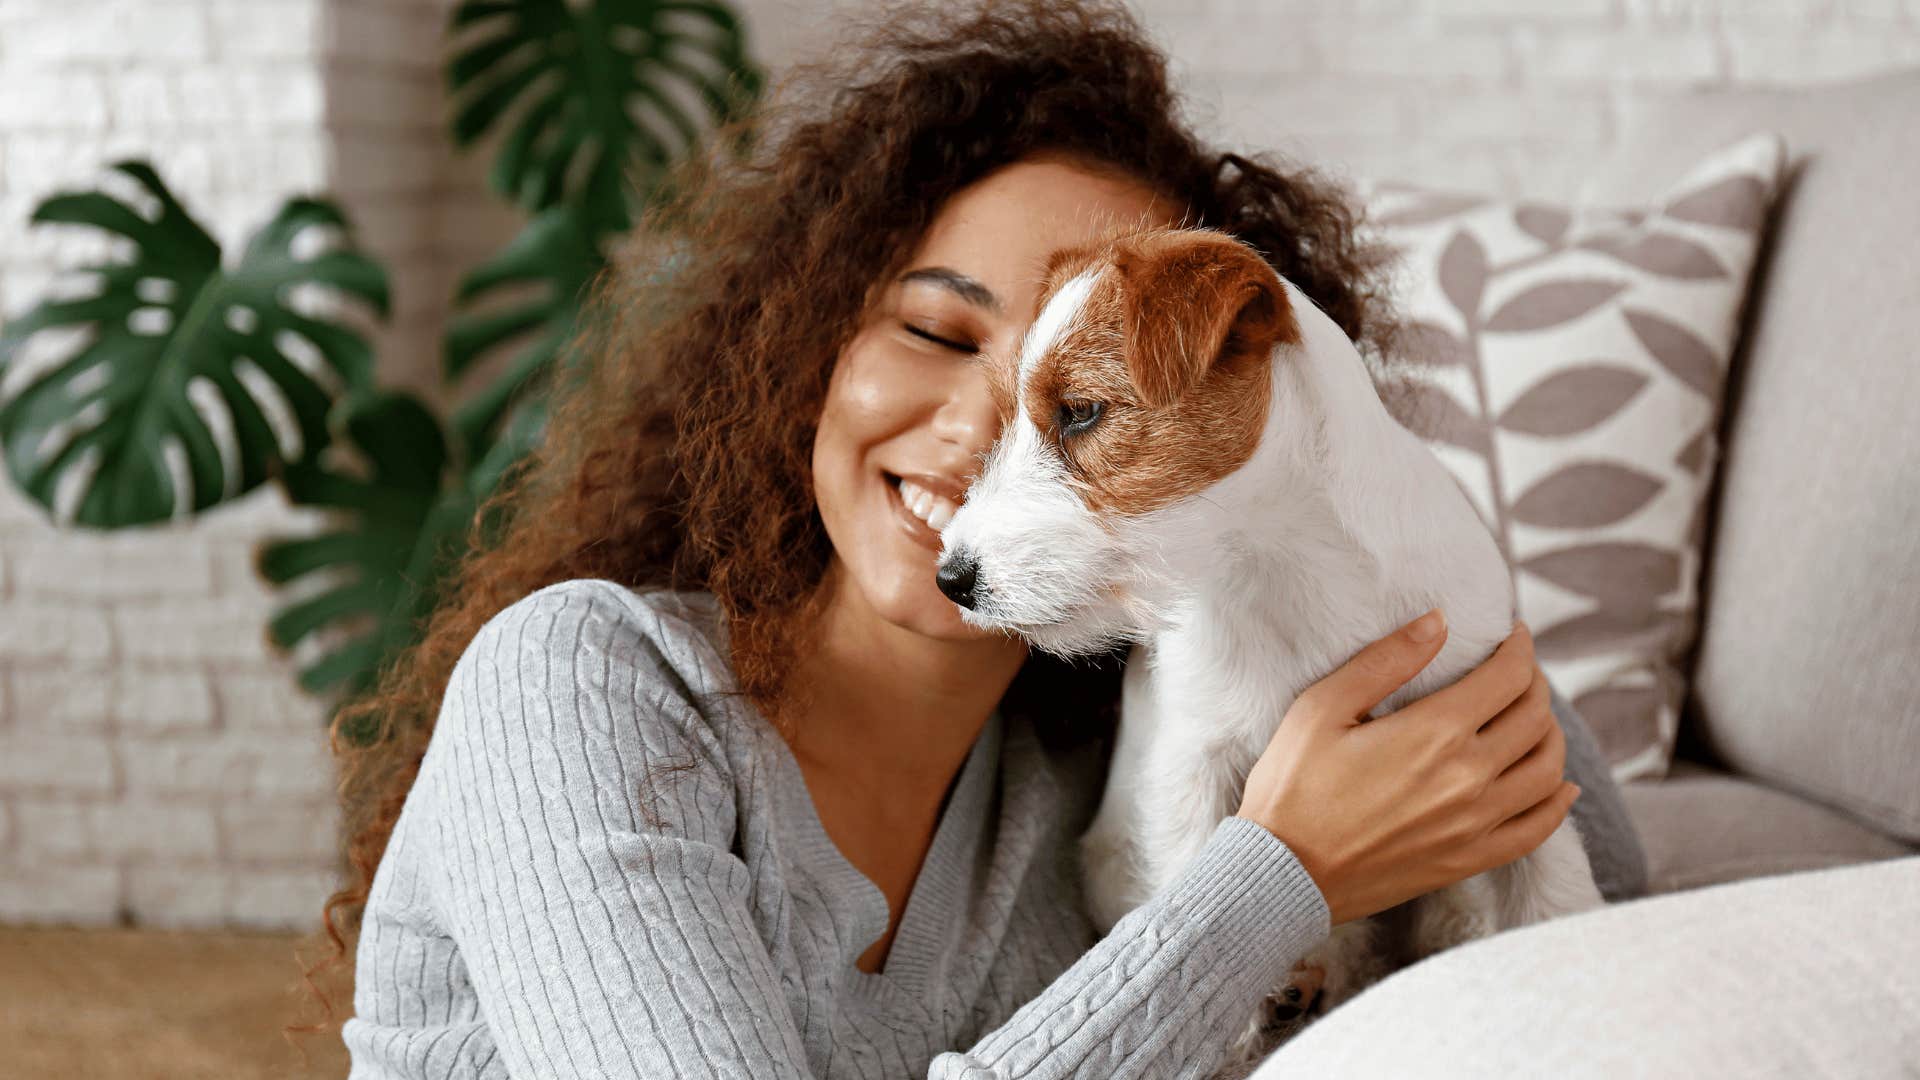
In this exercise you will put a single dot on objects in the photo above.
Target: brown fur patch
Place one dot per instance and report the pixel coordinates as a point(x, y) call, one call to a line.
point(1175, 342)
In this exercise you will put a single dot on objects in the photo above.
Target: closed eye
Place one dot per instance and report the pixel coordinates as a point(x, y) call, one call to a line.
point(938, 340)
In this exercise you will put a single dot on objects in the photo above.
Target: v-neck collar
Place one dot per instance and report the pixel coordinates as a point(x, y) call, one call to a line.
point(916, 960)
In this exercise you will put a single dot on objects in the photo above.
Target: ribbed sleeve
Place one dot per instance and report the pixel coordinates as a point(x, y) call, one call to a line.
point(582, 819)
point(567, 895)
point(1164, 990)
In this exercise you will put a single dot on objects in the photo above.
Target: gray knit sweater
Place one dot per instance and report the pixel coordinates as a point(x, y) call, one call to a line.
point(609, 866)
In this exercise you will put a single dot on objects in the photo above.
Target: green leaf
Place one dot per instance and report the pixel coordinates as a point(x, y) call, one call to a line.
point(517, 440)
point(584, 90)
point(558, 250)
point(113, 433)
point(405, 528)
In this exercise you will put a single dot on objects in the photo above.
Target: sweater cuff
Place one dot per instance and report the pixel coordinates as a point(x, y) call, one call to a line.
point(1248, 891)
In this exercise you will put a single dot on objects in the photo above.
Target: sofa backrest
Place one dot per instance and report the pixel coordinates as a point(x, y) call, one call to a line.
point(1807, 673)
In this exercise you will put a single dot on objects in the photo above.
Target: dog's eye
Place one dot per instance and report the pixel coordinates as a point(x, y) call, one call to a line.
point(1077, 415)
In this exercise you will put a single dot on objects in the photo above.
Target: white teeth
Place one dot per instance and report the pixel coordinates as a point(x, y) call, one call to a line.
point(935, 510)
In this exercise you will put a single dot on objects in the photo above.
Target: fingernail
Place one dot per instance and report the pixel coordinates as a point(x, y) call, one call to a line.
point(1427, 627)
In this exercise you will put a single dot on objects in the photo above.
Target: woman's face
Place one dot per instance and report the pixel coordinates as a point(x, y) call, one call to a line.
point(908, 414)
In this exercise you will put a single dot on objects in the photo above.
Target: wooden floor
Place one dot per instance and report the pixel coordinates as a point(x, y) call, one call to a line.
point(160, 1004)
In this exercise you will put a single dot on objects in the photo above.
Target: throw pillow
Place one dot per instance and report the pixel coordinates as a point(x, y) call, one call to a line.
point(1566, 363)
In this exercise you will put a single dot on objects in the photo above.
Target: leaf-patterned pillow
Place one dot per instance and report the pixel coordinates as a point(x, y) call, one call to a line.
point(1566, 364)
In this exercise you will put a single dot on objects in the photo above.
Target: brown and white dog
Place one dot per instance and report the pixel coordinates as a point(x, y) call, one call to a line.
point(1194, 459)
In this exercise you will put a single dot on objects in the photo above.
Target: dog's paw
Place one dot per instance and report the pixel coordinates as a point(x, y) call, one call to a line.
point(1280, 1017)
point(1296, 1000)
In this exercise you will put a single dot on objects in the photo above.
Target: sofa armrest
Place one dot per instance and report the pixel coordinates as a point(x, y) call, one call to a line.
point(1808, 974)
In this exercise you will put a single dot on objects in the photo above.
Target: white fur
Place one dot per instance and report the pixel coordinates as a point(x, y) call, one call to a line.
point(1059, 315)
point(1339, 528)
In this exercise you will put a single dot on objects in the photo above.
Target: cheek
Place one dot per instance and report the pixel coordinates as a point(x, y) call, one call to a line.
point(868, 403)
point(835, 445)
point(871, 396)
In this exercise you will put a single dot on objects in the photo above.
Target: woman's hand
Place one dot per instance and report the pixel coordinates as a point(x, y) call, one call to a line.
point(1463, 780)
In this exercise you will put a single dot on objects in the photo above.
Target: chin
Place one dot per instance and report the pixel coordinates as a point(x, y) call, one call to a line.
point(919, 606)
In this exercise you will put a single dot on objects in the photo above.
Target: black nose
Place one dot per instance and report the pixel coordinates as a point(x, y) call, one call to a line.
point(955, 578)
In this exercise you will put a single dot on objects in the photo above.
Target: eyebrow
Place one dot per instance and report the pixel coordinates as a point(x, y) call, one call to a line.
point(965, 287)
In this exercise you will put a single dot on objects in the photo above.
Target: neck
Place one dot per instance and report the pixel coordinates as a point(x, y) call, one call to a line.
point(887, 707)
point(1380, 485)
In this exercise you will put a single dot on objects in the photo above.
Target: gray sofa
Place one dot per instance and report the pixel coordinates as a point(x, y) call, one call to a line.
point(1788, 939)
point(1801, 738)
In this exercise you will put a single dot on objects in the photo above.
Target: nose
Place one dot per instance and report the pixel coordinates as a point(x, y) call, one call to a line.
point(955, 577)
point(968, 417)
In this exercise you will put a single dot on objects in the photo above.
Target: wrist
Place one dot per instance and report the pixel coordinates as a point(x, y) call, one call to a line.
point(1317, 869)
point(1240, 879)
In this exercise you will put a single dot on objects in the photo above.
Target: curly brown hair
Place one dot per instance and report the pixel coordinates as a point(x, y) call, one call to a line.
point(681, 457)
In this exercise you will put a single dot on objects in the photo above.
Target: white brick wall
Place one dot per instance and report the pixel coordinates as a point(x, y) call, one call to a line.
point(1509, 96)
point(157, 763)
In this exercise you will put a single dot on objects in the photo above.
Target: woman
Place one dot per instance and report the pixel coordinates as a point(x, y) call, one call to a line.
point(696, 772)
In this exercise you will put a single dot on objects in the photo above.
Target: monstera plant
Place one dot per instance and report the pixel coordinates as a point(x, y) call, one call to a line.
point(113, 435)
point(178, 379)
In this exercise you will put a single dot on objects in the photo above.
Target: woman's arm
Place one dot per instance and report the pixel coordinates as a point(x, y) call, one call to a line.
point(1613, 847)
point(605, 923)
point(583, 815)
point(1165, 991)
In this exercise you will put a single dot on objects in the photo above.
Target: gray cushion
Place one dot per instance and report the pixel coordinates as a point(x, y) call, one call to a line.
point(1800, 975)
point(1702, 827)
point(1808, 668)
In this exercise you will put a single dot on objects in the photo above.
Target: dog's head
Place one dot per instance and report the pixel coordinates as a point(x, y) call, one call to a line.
point(1144, 380)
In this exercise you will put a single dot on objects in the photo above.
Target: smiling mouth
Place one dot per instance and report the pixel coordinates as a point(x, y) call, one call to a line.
point(926, 507)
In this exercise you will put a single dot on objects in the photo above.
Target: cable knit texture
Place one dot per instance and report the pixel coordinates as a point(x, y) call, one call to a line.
point(609, 866)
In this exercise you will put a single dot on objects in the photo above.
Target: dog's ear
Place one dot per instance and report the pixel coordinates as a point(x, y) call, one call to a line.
point(1193, 299)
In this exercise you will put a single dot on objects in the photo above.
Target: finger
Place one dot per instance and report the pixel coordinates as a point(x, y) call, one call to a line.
point(1480, 694)
point(1532, 778)
point(1519, 727)
point(1527, 830)
point(1379, 669)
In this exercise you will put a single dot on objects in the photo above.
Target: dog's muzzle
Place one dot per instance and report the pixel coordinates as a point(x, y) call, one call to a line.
point(956, 577)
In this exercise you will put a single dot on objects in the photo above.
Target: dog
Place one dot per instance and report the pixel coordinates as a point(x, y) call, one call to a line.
point(1194, 460)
